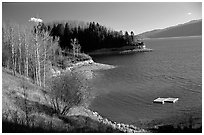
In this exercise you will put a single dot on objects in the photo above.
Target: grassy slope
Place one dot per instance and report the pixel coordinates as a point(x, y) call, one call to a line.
point(38, 116)
point(40, 113)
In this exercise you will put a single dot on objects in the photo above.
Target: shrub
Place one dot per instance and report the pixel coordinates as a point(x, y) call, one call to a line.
point(66, 91)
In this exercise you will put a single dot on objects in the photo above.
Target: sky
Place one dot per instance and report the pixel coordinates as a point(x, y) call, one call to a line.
point(126, 16)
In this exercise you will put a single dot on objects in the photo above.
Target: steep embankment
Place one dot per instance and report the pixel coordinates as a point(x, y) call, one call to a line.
point(26, 108)
point(192, 28)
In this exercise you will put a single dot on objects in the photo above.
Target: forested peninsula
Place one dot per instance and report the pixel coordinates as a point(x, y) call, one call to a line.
point(91, 36)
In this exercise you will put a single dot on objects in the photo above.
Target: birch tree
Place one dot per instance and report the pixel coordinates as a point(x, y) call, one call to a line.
point(29, 50)
point(19, 49)
point(26, 53)
point(13, 50)
point(38, 58)
point(46, 41)
point(37, 22)
point(6, 53)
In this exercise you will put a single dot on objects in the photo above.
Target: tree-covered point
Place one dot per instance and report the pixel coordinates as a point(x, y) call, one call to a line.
point(91, 36)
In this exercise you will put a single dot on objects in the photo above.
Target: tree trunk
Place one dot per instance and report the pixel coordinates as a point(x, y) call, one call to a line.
point(20, 57)
point(13, 52)
point(26, 56)
point(15, 60)
point(45, 50)
point(37, 61)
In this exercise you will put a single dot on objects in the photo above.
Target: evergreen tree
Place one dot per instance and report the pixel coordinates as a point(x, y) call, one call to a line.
point(92, 37)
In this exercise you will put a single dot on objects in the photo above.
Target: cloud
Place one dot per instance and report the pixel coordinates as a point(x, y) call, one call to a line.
point(189, 13)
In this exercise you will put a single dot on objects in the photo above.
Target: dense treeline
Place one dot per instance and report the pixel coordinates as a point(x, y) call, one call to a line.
point(91, 36)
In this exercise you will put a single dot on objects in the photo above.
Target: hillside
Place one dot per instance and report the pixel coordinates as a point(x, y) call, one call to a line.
point(27, 108)
point(192, 28)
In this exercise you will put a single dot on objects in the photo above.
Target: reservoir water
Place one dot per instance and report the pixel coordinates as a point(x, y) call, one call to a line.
point(173, 69)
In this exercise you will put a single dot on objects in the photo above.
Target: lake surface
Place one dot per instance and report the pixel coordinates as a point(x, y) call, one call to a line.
point(173, 69)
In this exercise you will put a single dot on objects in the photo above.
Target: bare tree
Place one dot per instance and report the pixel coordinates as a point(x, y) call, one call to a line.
point(6, 53)
point(26, 53)
point(44, 63)
point(46, 43)
point(67, 91)
point(13, 49)
point(38, 59)
point(37, 22)
point(19, 48)
point(30, 50)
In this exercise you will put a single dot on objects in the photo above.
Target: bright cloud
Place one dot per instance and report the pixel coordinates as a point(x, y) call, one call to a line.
point(189, 13)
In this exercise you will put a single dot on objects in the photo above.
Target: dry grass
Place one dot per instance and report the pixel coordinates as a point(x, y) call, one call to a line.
point(25, 109)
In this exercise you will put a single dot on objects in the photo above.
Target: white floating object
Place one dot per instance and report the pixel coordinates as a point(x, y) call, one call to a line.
point(171, 100)
point(163, 100)
point(159, 100)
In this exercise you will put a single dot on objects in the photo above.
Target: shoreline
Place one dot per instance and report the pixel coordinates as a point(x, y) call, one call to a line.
point(198, 36)
point(82, 66)
point(85, 68)
point(127, 128)
point(89, 65)
point(136, 50)
point(78, 118)
point(126, 50)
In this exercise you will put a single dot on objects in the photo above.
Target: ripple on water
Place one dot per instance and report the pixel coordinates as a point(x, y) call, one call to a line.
point(173, 69)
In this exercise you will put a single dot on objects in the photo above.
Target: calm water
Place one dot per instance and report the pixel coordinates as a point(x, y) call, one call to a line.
point(173, 69)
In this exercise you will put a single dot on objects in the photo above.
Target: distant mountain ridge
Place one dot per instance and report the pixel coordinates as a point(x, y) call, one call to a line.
point(192, 28)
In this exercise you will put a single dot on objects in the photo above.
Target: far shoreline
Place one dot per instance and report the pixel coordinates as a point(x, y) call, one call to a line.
point(181, 37)
point(120, 51)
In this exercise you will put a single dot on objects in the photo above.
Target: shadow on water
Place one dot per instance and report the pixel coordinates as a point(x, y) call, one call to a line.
point(172, 129)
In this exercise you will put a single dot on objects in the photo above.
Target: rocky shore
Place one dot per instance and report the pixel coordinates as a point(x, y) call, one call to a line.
point(89, 65)
point(86, 68)
point(79, 118)
point(126, 128)
point(83, 66)
point(41, 116)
